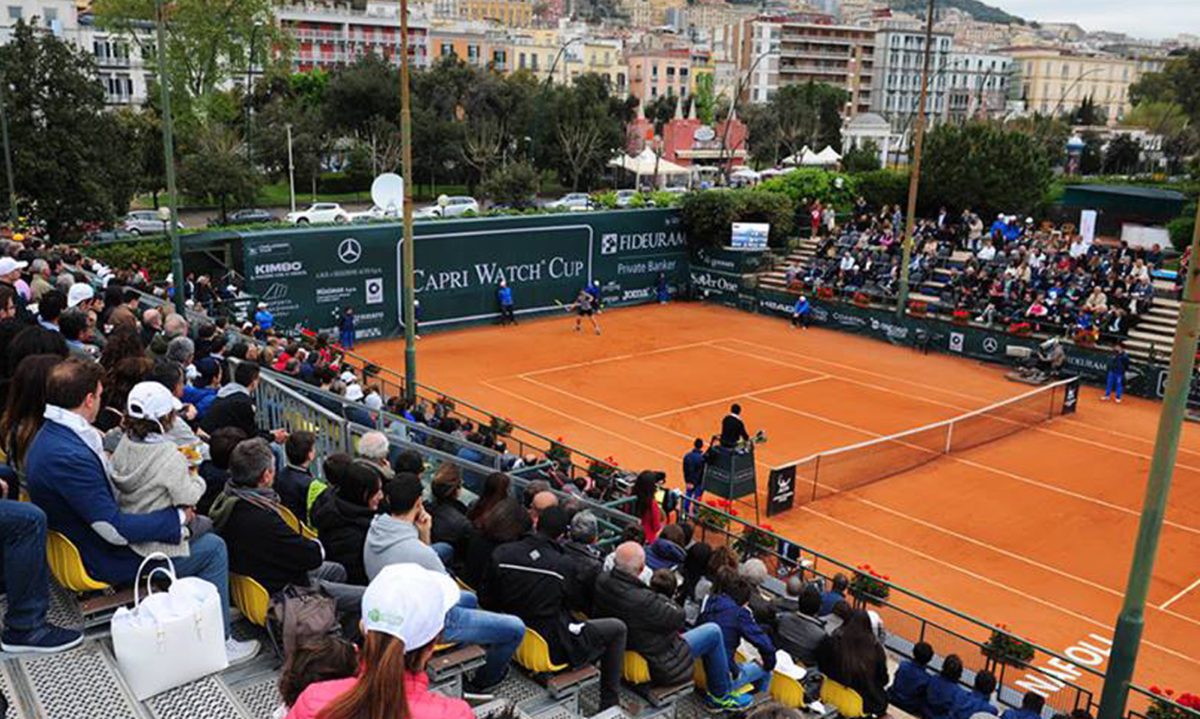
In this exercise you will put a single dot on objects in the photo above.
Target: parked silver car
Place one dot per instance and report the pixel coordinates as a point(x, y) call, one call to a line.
point(146, 222)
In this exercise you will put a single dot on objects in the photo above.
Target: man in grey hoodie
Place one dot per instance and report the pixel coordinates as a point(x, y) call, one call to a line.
point(403, 537)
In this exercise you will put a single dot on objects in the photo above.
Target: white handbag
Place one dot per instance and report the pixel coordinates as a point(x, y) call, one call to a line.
point(169, 638)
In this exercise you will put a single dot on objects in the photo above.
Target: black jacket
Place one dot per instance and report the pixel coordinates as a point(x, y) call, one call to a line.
point(588, 566)
point(733, 429)
point(233, 410)
point(534, 579)
point(292, 485)
point(799, 636)
point(872, 686)
point(450, 525)
point(343, 527)
point(653, 623)
point(263, 546)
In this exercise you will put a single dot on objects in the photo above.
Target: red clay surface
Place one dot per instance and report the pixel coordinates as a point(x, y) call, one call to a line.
point(1035, 530)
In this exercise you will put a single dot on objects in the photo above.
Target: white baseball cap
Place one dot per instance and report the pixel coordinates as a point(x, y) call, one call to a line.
point(348, 377)
point(8, 264)
point(79, 292)
point(373, 401)
point(151, 400)
point(408, 602)
point(354, 393)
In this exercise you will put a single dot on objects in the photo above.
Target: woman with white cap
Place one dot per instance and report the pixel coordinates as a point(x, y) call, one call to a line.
point(403, 612)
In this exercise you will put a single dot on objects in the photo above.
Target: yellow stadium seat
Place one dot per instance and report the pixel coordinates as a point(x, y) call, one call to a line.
point(67, 565)
point(289, 518)
point(787, 691)
point(250, 597)
point(848, 702)
point(636, 670)
point(701, 681)
point(534, 654)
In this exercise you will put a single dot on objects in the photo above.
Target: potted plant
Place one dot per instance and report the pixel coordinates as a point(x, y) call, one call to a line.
point(869, 586)
point(501, 426)
point(1005, 648)
point(558, 453)
point(1168, 706)
point(918, 308)
point(861, 299)
point(961, 316)
point(602, 471)
point(755, 541)
point(715, 514)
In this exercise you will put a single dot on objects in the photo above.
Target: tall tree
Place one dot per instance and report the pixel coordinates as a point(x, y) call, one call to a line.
point(589, 127)
point(984, 167)
point(143, 131)
point(209, 42)
point(71, 158)
point(218, 170)
point(1122, 155)
point(1179, 82)
point(1051, 133)
point(1088, 113)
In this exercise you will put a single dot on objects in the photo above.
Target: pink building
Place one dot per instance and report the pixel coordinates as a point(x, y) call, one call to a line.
point(689, 142)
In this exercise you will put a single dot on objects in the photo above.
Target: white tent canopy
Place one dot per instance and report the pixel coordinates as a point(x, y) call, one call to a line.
point(798, 158)
point(808, 158)
point(828, 156)
point(645, 163)
point(745, 173)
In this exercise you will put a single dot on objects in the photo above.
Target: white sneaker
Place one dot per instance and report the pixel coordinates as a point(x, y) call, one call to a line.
point(1104, 398)
point(239, 652)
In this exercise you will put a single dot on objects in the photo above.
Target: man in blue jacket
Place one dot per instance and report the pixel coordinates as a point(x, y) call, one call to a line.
point(68, 480)
point(801, 312)
point(504, 296)
point(1031, 707)
point(978, 700)
point(693, 476)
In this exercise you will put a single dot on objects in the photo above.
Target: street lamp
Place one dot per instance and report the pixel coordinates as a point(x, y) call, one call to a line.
point(406, 251)
point(557, 56)
point(250, 86)
point(169, 155)
point(8, 168)
point(1063, 95)
point(727, 163)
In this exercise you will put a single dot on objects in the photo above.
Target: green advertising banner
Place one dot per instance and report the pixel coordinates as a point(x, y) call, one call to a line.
point(308, 276)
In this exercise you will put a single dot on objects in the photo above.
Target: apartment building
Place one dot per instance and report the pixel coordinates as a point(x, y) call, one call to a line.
point(838, 55)
point(654, 72)
point(1051, 80)
point(327, 36)
point(508, 13)
point(896, 84)
point(977, 85)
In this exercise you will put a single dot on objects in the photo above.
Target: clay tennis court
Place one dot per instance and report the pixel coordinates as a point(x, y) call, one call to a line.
point(1034, 530)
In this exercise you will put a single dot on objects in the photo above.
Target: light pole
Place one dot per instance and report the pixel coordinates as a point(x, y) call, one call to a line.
point(914, 177)
point(558, 55)
point(1063, 95)
point(727, 162)
point(406, 252)
point(291, 168)
point(250, 86)
point(169, 156)
point(8, 168)
point(1128, 633)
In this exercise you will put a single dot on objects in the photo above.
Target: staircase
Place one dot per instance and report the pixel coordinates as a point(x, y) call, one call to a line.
point(1154, 334)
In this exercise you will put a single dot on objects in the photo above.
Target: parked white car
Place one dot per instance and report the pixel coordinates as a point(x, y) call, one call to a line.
point(573, 201)
point(625, 197)
point(146, 222)
point(374, 214)
point(319, 212)
point(455, 206)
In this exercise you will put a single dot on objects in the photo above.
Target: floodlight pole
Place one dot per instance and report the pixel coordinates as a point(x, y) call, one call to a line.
point(1131, 620)
point(914, 172)
point(408, 273)
point(169, 156)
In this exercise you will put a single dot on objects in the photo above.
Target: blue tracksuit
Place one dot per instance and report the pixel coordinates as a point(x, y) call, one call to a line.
point(504, 295)
point(346, 331)
point(1118, 365)
point(693, 478)
point(972, 703)
point(908, 687)
point(941, 696)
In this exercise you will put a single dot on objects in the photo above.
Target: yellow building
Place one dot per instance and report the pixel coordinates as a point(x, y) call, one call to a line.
point(473, 45)
point(1052, 81)
point(509, 13)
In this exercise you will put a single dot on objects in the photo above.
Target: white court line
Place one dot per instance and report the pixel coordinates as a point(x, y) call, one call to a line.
point(926, 400)
point(602, 360)
point(733, 397)
point(577, 420)
point(987, 580)
point(606, 408)
point(1179, 596)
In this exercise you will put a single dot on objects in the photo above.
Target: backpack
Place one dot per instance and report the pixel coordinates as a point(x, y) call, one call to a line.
point(297, 613)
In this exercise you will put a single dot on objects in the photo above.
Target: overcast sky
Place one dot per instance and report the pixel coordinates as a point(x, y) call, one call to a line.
point(1147, 18)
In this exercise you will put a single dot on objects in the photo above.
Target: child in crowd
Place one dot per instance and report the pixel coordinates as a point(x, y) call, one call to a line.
point(663, 582)
point(316, 659)
point(907, 692)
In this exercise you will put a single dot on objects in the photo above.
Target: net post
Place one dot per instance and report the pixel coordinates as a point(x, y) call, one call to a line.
point(949, 436)
point(816, 477)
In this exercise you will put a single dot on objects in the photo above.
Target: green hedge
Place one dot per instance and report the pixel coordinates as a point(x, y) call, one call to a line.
point(151, 252)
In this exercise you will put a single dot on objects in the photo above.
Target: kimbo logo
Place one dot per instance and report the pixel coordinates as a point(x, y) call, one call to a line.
point(273, 269)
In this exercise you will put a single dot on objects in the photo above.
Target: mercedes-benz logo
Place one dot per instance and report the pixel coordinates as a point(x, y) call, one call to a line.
point(990, 344)
point(349, 250)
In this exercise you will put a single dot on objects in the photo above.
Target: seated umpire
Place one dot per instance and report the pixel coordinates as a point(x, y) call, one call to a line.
point(533, 579)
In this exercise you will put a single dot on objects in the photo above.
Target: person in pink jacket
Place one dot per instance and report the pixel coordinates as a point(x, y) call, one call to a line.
point(403, 611)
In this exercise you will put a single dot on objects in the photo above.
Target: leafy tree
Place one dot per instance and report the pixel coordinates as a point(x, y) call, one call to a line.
point(1088, 113)
point(1179, 82)
point(1091, 159)
point(985, 167)
point(71, 158)
point(1160, 118)
point(515, 185)
point(861, 159)
point(796, 116)
point(1122, 155)
point(704, 99)
point(883, 187)
point(708, 216)
point(219, 170)
point(589, 126)
point(806, 184)
point(143, 131)
point(208, 41)
point(362, 102)
point(1050, 133)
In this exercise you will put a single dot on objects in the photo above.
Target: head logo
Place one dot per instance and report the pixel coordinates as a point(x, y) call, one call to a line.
point(374, 615)
point(349, 251)
point(608, 243)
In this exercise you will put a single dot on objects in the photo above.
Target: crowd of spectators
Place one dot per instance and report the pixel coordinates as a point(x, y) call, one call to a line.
point(140, 434)
point(1012, 273)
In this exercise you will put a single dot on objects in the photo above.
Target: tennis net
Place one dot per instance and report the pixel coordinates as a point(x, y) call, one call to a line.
point(857, 465)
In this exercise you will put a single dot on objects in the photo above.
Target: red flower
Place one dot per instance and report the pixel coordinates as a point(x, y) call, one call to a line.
point(886, 578)
point(1170, 692)
point(1156, 691)
point(767, 527)
point(733, 512)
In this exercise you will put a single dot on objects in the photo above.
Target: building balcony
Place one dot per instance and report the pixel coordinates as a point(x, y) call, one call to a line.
point(113, 61)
